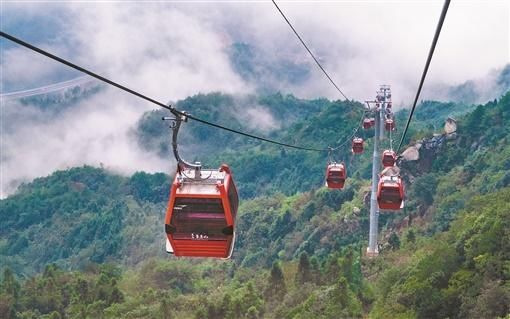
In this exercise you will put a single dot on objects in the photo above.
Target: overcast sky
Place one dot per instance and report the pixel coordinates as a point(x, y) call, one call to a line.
point(175, 49)
point(171, 50)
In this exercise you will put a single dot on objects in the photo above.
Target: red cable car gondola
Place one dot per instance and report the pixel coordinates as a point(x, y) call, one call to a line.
point(390, 193)
point(201, 213)
point(336, 175)
point(388, 158)
point(367, 123)
point(357, 145)
point(389, 125)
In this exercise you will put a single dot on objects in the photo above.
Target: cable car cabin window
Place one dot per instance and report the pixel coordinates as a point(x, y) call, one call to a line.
point(336, 176)
point(199, 219)
point(233, 199)
point(391, 195)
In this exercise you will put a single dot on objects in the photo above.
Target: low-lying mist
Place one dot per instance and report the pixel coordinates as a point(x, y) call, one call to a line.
point(170, 51)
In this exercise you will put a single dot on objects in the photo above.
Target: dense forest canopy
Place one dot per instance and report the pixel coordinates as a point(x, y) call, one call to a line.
point(87, 243)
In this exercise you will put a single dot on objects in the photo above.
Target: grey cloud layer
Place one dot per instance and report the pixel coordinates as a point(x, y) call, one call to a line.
point(173, 50)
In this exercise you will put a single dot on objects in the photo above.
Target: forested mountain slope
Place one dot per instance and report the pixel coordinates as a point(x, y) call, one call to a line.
point(299, 252)
point(260, 168)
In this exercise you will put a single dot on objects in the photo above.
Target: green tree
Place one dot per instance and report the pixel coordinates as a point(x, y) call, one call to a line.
point(303, 273)
point(165, 309)
point(394, 241)
point(10, 285)
point(276, 288)
point(411, 236)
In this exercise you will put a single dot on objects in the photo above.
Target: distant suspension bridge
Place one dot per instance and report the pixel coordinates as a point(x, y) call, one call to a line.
point(55, 87)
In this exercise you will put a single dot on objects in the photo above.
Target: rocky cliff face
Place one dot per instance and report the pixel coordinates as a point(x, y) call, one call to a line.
point(418, 158)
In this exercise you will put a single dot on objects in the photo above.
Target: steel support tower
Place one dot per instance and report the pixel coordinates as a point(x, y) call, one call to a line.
point(380, 112)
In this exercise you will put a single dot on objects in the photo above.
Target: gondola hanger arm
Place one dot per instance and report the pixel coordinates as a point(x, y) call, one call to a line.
point(175, 125)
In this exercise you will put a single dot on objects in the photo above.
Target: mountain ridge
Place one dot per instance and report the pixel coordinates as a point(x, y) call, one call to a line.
point(298, 255)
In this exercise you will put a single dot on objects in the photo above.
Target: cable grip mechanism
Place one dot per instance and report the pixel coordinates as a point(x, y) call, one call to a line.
point(175, 125)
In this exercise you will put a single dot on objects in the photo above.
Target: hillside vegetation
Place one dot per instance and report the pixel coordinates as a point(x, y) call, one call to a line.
point(85, 243)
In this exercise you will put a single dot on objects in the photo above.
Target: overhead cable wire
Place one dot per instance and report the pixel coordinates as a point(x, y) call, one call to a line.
point(325, 73)
point(425, 70)
point(309, 51)
point(354, 132)
point(144, 97)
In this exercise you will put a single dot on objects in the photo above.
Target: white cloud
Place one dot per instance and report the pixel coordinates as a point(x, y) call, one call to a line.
point(170, 50)
point(257, 118)
point(174, 49)
point(22, 68)
point(155, 48)
point(366, 43)
point(94, 133)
